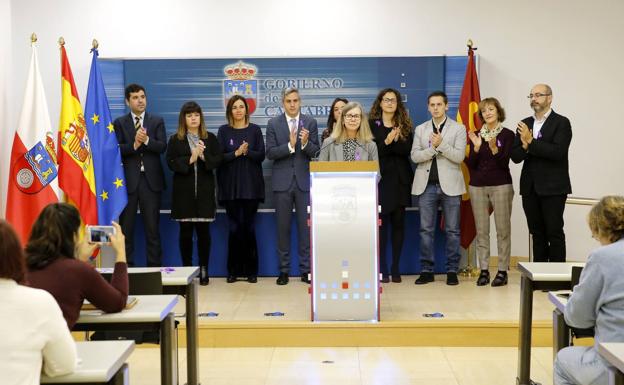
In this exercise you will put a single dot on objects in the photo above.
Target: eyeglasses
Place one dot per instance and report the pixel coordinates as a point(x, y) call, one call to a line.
point(536, 96)
point(353, 117)
point(389, 100)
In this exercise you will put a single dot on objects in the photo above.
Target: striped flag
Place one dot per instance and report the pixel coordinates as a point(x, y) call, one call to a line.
point(76, 176)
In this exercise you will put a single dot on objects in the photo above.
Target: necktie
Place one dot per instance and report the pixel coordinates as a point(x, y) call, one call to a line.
point(137, 123)
point(293, 126)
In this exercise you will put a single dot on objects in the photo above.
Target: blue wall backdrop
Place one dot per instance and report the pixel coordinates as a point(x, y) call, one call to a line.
point(171, 82)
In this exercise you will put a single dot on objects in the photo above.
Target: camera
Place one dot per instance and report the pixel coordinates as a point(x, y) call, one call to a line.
point(99, 234)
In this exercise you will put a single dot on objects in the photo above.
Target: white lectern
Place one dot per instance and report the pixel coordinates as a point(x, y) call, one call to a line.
point(344, 241)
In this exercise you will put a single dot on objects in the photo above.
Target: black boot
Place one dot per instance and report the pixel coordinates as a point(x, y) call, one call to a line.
point(500, 279)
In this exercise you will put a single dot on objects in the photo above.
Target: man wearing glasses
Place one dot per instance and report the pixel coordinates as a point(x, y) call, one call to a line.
point(291, 140)
point(542, 142)
point(438, 150)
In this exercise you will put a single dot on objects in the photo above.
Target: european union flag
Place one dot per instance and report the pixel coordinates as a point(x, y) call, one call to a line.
point(110, 181)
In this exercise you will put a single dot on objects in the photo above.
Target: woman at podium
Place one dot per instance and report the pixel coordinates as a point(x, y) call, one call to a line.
point(392, 128)
point(351, 139)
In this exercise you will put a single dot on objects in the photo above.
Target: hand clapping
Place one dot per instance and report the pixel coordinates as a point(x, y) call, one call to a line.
point(476, 140)
point(526, 136)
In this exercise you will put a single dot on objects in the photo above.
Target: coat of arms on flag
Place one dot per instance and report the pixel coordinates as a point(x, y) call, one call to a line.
point(34, 170)
point(240, 81)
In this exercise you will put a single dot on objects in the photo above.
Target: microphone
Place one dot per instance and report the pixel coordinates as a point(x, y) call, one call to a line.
point(316, 154)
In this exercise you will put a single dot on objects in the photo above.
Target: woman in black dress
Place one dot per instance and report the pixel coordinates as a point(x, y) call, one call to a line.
point(241, 187)
point(392, 129)
point(192, 154)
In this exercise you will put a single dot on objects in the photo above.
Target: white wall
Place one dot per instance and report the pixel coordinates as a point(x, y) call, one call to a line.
point(6, 128)
point(574, 45)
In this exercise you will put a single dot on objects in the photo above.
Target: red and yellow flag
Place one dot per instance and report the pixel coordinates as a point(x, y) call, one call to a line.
point(75, 177)
point(467, 114)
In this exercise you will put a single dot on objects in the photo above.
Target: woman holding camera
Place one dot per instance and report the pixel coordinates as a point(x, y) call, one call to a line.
point(56, 256)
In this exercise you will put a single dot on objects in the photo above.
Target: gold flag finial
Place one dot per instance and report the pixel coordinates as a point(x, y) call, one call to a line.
point(61, 41)
point(469, 44)
point(95, 44)
point(33, 38)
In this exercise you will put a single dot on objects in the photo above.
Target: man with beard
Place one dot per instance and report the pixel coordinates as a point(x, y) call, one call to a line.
point(542, 142)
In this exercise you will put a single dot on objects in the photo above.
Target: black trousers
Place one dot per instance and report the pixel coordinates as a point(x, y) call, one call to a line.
point(202, 229)
point(149, 203)
point(395, 222)
point(242, 258)
point(544, 214)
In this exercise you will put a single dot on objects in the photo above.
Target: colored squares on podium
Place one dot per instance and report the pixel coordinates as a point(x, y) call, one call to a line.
point(345, 295)
point(323, 295)
point(367, 296)
point(345, 285)
point(334, 296)
point(345, 274)
point(356, 295)
point(345, 263)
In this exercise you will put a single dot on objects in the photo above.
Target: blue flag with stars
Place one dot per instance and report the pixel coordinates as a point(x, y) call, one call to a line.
point(110, 181)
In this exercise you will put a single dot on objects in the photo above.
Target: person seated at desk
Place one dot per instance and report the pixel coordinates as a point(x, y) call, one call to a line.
point(33, 335)
point(56, 259)
point(598, 300)
point(351, 138)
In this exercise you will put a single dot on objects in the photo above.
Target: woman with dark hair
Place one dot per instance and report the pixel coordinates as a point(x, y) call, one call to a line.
point(56, 257)
point(241, 187)
point(392, 129)
point(491, 187)
point(598, 299)
point(34, 333)
point(192, 154)
point(332, 117)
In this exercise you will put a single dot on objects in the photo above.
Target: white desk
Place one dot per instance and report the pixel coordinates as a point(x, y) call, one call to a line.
point(613, 353)
point(99, 362)
point(182, 281)
point(536, 276)
point(153, 312)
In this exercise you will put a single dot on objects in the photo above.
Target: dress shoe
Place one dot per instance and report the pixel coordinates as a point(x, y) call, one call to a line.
point(252, 279)
point(500, 279)
point(396, 278)
point(484, 278)
point(203, 276)
point(230, 279)
point(304, 278)
point(425, 277)
point(451, 279)
point(282, 279)
point(385, 278)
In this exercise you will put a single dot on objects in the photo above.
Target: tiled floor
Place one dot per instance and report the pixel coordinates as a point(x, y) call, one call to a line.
point(349, 366)
point(242, 301)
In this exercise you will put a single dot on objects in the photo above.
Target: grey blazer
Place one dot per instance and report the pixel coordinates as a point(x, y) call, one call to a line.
point(285, 164)
point(450, 154)
point(332, 151)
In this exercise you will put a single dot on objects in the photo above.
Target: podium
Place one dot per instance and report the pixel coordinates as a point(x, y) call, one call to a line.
point(344, 241)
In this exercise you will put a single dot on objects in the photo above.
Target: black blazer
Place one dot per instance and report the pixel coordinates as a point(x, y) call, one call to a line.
point(184, 202)
point(396, 172)
point(150, 154)
point(545, 167)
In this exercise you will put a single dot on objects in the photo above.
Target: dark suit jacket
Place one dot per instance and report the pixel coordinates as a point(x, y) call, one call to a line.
point(185, 203)
point(285, 164)
point(150, 154)
point(394, 166)
point(545, 167)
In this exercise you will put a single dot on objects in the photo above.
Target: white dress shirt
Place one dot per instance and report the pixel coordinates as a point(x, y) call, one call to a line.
point(537, 124)
point(33, 333)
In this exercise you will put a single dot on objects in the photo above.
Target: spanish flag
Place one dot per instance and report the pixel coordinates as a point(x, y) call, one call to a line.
point(467, 114)
point(76, 177)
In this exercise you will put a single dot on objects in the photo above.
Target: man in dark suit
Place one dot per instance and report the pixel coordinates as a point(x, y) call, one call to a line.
point(142, 139)
point(542, 142)
point(291, 140)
